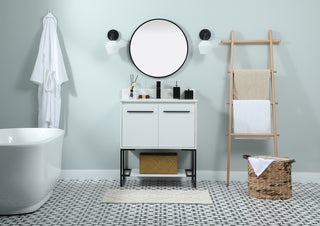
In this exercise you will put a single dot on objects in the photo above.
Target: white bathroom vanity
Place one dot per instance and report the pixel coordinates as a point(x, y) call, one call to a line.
point(156, 124)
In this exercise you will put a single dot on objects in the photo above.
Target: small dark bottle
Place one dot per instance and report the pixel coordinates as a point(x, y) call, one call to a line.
point(176, 92)
point(158, 89)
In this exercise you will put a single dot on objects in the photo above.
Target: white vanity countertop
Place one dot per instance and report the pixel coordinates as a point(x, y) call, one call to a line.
point(158, 101)
point(166, 95)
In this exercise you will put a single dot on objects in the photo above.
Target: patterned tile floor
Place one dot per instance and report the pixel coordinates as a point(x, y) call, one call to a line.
point(76, 202)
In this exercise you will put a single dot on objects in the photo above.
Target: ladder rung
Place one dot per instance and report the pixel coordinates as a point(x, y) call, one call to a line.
point(270, 72)
point(251, 134)
point(250, 41)
point(270, 103)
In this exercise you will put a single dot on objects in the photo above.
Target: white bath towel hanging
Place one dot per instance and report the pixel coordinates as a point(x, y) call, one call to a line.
point(251, 116)
point(49, 72)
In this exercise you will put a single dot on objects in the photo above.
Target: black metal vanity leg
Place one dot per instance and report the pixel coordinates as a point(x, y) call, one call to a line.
point(192, 166)
point(121, 167)
point(195, 167)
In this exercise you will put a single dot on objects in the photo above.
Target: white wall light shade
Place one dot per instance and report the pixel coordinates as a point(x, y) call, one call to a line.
point(112, 47)
point(205, 47)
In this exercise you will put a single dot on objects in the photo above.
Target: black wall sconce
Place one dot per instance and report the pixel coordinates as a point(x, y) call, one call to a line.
point(205, 34)
point(113, 35)
point(205, 46)
point(112, 46)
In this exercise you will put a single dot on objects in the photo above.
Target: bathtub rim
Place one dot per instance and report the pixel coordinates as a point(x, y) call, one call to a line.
point(60, 132)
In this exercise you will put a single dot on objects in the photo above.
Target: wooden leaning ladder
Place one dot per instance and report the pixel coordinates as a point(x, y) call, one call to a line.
point(270, 41)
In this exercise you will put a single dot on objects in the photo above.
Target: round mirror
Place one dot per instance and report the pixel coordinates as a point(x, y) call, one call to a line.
point(158, 48)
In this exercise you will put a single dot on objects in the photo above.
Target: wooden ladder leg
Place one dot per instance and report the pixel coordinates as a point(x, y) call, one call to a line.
point(230, 107)
point(228, 164)
point(273, 96)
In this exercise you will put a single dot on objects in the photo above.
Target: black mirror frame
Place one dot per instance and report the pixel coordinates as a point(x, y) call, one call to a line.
point(187, 53)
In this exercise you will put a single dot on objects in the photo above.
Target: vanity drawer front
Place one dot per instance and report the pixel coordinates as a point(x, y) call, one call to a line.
point(177, 125)
point(139, 125)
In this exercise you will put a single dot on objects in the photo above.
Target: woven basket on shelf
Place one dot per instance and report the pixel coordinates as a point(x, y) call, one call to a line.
point(158, 163)
point(274, 182)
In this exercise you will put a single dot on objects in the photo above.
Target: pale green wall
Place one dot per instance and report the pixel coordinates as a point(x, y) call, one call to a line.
point(91, 97)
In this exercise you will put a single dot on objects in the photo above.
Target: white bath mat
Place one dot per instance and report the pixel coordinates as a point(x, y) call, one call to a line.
point(157, 196)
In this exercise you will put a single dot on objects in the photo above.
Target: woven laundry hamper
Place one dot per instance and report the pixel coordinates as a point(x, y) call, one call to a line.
point(274, 182)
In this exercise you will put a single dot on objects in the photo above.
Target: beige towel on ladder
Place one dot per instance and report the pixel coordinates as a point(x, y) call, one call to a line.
point(251, 85)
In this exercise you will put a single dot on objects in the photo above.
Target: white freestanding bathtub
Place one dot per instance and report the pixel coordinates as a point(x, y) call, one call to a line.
point(30, 166)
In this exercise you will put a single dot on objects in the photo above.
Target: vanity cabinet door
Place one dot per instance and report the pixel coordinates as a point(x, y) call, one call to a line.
point(139, 125)
point(177, 125)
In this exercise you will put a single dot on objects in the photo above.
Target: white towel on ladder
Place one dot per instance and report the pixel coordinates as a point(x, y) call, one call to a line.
point(251, 116)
